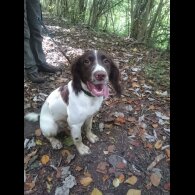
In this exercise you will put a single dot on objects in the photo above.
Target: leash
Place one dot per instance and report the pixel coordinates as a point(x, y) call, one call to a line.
point(59, 47)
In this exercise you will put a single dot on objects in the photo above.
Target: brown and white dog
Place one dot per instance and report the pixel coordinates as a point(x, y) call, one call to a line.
point(79, 100)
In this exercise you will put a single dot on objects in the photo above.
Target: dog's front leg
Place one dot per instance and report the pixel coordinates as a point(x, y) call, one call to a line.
point(77, 139)
point(87, 127)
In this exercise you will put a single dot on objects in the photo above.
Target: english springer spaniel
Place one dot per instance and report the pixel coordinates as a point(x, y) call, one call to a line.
point(79, 100)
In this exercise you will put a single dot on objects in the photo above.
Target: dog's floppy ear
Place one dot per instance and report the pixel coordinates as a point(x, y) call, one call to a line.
point(75, 71)
point(114, 78)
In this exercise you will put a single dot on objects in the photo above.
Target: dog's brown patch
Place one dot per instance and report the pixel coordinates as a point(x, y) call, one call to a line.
point(64, 93)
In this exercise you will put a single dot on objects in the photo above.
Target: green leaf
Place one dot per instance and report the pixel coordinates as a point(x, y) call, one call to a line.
point(68, 141)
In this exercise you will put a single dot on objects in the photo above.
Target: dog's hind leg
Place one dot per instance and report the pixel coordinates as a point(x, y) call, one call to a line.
point(50, 129)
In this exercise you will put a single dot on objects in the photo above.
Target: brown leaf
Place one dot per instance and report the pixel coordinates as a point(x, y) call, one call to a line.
point(151, 107)
point(111, 148)
point(105, 177)
point(155, 178)
point(108, 126)
point(167, 151)
point(85, 181)
point(44, 159)
point(119, 120)
point(102, 167)
point(158, 144)
point(121, 165)
point(148, 145)
point(78, 168)
point(38, 132)
point(167, 186)
point(134, 192)
point(135, 85)
point(29, 186)
point(155, 125)
point(68, 155)
point(131, 119)
point(121, 178)
point(131, 180)
point(96, 192)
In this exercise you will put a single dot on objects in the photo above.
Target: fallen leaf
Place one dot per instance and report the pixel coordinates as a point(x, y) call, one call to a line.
point(102, 167)
point(135, 85)
point(130, 131)
point(121, 165)
point(49, 178)
point(28, 156)
point(114, 160)
point(96, 192)
point(85, 181)
point(68, 155)
point(111, 148)
point(116, 182)
point(149, 145)
point(44, 159)
point(134, 49)
point(134, 192)
point(38, 132)
point(105, 152)
point(29, 186)
point(155, 125)
point(105, 177)
point(167, 186)
point(155, 178)
point(68, 141)
point(156, 160)
point(108, 126)
point(158, 144)
point(131, 119)
point(49, 186)
point(151, 107)
point(119, 120)
point(38, 142)
point(167, 151)
point(121, 178)
point(131, 180)
point(78, 168)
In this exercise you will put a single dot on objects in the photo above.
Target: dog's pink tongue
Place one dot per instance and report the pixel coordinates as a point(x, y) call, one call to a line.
point(99, 90)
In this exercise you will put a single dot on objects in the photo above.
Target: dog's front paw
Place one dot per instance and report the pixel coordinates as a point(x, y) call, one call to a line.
point(92, 137)
point(83, 149)
point(56, 144)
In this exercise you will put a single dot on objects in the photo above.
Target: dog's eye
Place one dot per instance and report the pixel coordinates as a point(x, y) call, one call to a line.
point(86, 61)
point(105, 61)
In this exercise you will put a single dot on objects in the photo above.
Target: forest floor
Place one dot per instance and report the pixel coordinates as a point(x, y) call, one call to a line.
point(133, 154)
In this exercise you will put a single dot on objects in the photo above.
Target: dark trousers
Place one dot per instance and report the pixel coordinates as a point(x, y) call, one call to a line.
point(33, 51)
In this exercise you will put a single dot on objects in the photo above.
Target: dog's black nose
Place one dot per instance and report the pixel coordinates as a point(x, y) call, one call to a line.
point(100, 75)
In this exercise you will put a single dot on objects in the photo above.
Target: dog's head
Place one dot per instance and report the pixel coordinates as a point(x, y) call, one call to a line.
point(95, 69)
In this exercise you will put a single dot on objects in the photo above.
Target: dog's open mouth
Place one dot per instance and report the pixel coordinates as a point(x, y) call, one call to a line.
point(98, 89)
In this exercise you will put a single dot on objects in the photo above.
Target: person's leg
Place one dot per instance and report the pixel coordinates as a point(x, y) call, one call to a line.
point(33, 16)
point(29, 61)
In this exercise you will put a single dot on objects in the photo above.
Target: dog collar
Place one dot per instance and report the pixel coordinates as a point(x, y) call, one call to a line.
point(87, 93)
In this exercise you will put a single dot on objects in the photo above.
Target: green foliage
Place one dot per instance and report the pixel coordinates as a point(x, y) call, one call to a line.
point(146, 21)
